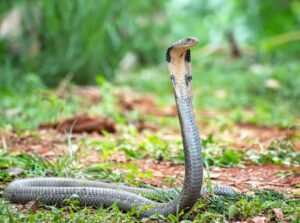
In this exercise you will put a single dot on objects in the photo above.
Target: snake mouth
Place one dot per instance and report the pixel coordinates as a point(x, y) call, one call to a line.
point(185, 43)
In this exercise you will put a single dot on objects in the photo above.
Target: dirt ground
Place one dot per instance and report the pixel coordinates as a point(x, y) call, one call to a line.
point(51, 143)
point(50, 139)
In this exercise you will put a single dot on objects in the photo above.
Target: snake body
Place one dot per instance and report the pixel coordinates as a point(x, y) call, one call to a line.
point(54, 191)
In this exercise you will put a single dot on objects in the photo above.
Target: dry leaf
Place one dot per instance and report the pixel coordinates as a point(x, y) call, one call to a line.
point(257, 219)
point(83, 123)
point(279, 215)
point(33, 206)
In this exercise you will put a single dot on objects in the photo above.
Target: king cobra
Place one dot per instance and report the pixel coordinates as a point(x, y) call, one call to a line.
point(55, 191)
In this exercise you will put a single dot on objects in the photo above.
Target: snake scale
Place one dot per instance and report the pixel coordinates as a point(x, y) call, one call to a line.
point(54, 191)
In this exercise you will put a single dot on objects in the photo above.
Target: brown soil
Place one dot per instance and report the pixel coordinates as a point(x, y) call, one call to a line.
point(280, 178)
point(51, 141)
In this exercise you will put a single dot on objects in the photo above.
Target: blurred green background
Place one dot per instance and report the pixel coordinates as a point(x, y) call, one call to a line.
point(248, 58)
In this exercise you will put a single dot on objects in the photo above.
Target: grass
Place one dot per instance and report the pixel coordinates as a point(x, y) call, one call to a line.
point(151, 146)
point(242, 206)
point(222, 209)
point(217, 209)
point(260, 94)
point(263, 94)
point(259, 91)
point(54, 42)
point(255, 94)
point(29, 103)
point(239, 91)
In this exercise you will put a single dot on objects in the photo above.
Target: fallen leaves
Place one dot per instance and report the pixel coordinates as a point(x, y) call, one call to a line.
point(145, 104)
point(279, 215)
point(245, 136)
point(241, 178)
point(84, 123)
point(262, 177)
point(256, 219)
point(48, 143)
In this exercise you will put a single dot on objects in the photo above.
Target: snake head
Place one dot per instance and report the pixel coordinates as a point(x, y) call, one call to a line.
point(185, 43)
point(181, 46)
point(179, 62)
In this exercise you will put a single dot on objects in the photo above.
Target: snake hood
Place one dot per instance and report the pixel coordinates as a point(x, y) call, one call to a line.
point(179, 64)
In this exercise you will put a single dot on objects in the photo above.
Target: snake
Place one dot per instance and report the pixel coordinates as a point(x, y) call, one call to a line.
point(56, 190)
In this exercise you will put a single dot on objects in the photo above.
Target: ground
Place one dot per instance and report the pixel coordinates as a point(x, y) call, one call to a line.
point(145, 148)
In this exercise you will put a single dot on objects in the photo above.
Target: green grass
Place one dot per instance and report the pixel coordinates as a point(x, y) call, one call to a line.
point(217, 210)
point(265, 94)
point(279, 153)
point(74, 39)
point(239, 207)
point(58, 38)
point(242, 207)
point(246, 100)
point(234, 87)
point(28, 104)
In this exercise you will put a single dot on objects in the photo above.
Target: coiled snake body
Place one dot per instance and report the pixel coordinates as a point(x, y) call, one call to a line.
point(55, 190)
